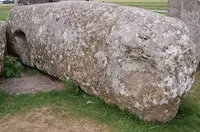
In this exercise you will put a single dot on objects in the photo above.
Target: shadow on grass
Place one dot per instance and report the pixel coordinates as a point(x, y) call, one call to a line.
point(74, 100)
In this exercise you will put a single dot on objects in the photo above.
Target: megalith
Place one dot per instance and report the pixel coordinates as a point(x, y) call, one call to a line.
point(3, 42)
point(189, 12)
point(136, 59)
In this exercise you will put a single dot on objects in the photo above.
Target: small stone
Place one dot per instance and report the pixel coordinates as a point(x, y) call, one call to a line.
point(89, 102)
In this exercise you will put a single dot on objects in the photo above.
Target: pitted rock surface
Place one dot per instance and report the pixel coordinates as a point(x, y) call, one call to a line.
point(139, 60)
point(189, 12)
point(3, 43)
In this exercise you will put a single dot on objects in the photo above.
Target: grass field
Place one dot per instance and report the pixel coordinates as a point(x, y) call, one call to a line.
point(73, 102)
point(146, 5)
point(150, 1)
point(4, 10)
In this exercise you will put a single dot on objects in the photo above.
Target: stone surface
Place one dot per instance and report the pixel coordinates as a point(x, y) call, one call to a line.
point(3, 42)
point(189, 12)
point(139, 60)
point(29, 85)
point(30, 2)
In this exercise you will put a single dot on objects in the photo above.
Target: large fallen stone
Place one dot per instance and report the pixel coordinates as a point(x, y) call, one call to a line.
point(189, 12)
point(139, 60)
point(3, 42)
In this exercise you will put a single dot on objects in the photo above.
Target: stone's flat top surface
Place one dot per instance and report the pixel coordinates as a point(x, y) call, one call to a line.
point(29, 85)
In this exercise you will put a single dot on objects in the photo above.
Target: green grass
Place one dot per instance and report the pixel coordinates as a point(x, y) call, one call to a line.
point(3, 16)
point(73, 101)
point(146, 5)
point(164, 13)
point(4, 10)
point(134, 0)
point(30, 71)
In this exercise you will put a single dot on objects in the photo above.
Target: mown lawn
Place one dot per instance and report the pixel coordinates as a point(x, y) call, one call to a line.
point(4, 10)
point(69, 100)
point(146, 5)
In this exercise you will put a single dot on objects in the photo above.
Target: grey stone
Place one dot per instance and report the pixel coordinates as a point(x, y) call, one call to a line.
point(189, 12)
point(29, 84)
point(30, 2)
point(2, 44)
point(134, 58)
point(174, 8)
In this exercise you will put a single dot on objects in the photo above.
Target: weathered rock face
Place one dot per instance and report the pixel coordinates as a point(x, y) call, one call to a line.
point(174, 8)
point(136, 59)
point(189, 12)
point(30, 2)
point(2, 44)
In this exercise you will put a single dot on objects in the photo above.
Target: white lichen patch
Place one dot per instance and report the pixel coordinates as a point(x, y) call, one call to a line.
point(101, 59)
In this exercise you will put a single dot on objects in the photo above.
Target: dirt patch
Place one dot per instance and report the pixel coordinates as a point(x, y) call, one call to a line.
point(30, 85)
point(44, 120)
